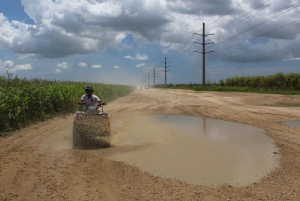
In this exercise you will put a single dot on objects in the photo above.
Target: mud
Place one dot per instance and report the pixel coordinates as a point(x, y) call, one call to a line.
point(198, 150)
point(38, 162)
point(292, 123)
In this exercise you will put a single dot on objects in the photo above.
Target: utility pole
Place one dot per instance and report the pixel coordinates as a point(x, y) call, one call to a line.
point(165, 70)
point(145, 80)
point(203, 52)
point(154, 76)
point(150, 75)
point(148, 80)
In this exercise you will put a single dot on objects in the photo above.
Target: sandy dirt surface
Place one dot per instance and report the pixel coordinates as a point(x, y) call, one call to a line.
point(38, 162)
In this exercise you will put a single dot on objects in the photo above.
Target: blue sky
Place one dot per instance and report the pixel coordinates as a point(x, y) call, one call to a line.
point(121, 41)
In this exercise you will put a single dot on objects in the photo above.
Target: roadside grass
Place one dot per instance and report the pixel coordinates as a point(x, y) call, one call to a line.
point(279, 83)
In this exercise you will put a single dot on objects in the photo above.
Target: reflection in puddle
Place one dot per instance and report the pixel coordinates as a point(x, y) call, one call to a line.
point(198, 150)
point(292, 123)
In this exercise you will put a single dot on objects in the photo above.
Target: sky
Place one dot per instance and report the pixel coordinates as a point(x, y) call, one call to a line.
point(125, 41)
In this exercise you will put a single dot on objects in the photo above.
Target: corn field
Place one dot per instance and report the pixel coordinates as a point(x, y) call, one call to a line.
point(279, 81)
point(24, 101)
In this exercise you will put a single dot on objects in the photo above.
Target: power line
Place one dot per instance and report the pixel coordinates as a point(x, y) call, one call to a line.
point(229, 38)
point(227, 12)
point(218, 31)
point(190, 60)
point(201, 29)
point(259, 24)
point(243, 17)
point(223, 8)
point(183, 60)
point(258, 36)
point(183, 46)
point(183, 52)
point(207, 25)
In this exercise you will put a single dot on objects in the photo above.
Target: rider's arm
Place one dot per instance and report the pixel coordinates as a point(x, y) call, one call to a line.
point(80, 102)
point(98, 99)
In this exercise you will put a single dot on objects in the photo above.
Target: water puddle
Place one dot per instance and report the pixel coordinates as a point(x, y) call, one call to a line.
point(196, 150)
point(292, 123)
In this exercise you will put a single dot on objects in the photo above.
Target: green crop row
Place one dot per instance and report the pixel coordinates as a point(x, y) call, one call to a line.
point(24, 101)
point(273, 84)
point(278, 81)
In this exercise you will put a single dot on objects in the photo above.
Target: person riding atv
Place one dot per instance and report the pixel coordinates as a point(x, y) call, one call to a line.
point(91, 127)
point(89, 99)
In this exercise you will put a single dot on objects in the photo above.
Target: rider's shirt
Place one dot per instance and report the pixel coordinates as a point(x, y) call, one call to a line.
point(92, 101)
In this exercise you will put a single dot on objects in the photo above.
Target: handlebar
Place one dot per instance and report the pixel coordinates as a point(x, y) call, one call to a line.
point(100, 104)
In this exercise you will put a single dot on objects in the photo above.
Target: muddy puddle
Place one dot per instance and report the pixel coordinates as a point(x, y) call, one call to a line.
point(193, 149)
point(292, 123)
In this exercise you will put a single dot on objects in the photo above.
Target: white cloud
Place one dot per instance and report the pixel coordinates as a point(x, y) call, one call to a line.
point(23, 67)
point(137, 57)
point(141, 57)
point(116, 66)
point(129, 57)
point(68, 27)
point(9, 66)
point(96, 66)
point(63, 65)
point(57, 71)
point(6, 64)
point(140, 65)
point(82, 65)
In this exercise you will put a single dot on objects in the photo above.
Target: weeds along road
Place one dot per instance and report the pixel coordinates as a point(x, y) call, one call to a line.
point(38, 162)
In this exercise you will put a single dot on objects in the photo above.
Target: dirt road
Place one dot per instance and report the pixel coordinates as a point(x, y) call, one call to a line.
point(38, 162)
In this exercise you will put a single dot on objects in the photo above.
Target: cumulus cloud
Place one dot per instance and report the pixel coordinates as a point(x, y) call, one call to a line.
point(23, 67)
point(200, 7)
point(63, 65)
point(137, 57)
point(96, 66)
point(116, 66)
point(140, 65)
point(141, 57)
point(57, 71)
point(129, 57)
point(9, 66)
point(82, 65)
point(64, 27)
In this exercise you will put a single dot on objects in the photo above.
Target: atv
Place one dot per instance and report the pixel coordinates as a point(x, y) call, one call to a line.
point(91, 128)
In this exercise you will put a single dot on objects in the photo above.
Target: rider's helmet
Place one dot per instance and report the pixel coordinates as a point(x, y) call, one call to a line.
point(89, 89)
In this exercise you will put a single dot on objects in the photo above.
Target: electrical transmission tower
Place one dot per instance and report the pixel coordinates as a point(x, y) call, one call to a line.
point(154, 74)
point(148, 80)
point(165, 70)
point(203, 52)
